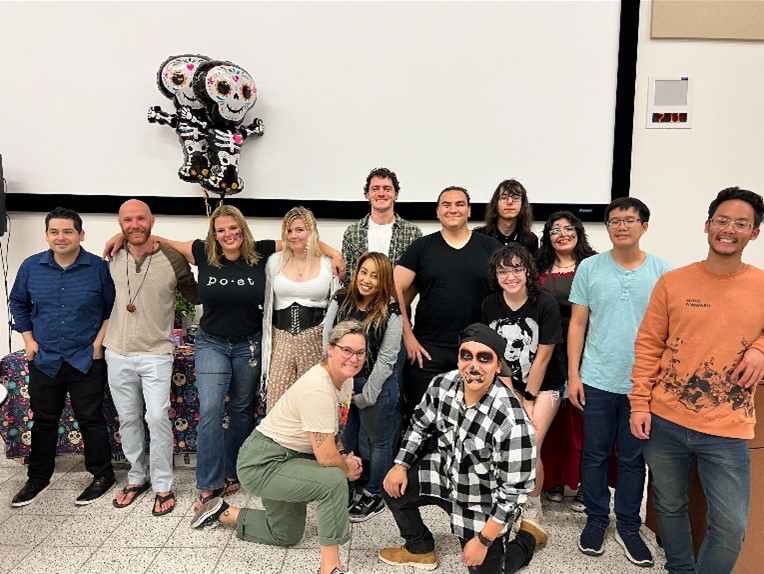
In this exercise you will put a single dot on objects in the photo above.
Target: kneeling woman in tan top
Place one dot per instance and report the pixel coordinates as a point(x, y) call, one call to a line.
point(292, 458)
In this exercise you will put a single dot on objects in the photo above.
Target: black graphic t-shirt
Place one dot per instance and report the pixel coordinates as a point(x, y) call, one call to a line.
point(233, 294)
point(536, 323)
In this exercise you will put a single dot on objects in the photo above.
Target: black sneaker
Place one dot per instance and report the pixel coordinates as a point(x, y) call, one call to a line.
point(100, 486)
point(29, 492)
point(635, 548)
point(208, 516)
point(592, 539)
point(368, 506)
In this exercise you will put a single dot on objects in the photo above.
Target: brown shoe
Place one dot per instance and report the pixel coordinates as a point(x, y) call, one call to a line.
point(402, 557)
point(537, 532)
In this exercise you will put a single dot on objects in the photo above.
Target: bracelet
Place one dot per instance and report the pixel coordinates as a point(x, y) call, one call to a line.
point(528, 396)
point(484, 540)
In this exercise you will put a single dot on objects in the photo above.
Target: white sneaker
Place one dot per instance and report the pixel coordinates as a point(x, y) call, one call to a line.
point(533, 513)
point(532, 521)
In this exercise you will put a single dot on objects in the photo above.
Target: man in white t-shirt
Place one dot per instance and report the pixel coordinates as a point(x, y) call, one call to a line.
point(382, 230)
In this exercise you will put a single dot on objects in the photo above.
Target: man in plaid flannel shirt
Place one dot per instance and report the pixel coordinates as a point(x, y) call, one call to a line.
point(382, 230)
point(480, 472)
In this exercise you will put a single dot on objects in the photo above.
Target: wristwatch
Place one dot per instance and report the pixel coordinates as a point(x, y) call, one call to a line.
point(528, 396)
point(483, 540)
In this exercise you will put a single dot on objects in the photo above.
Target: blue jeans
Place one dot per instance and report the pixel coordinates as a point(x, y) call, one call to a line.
point(223, 368)
point(606, 420)
point(380, 423)
point(724, 467)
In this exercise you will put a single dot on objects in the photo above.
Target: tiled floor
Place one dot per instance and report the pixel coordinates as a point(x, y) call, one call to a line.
point(53, 536)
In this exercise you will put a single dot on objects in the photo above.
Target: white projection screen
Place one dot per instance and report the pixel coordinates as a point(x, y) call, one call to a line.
point(443, 93)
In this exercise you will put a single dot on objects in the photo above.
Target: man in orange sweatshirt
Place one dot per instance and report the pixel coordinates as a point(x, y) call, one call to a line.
point(699, 355)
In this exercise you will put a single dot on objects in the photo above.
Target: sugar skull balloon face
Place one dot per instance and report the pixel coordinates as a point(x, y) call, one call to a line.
point(229, 91)
point(175, 79)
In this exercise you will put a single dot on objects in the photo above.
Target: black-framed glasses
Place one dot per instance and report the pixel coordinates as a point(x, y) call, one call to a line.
point(510, 197)
point(558, 230)
point(347, 352)
point(723, 222)
point(516, 271)
point(628, 222)
point(485, 357)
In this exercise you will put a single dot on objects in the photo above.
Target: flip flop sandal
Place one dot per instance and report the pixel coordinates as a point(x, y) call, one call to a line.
point(159, 501)
point(232, 486)
point(136, 491)
point(201, 499)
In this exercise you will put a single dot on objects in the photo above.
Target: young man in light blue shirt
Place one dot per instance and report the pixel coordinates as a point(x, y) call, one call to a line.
point(609, 296)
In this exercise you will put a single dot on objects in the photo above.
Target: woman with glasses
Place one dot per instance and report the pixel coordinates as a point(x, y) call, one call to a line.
point(292, 458)
point(370, 299)
point(564, 245)
point(529, 319)
point(508, 216)
point(298, 286)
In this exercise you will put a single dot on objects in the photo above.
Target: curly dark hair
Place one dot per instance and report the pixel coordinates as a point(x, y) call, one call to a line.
point(382, 172)
point(546, 254)
point(503, 257)
point(524, 218)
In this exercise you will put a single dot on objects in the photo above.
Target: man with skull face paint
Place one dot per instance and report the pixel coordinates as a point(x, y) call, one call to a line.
point(480, 472)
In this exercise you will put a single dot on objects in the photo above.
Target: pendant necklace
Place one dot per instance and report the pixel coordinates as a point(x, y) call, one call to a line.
point(130, 299)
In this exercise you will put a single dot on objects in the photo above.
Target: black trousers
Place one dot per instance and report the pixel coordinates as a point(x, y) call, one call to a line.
point(47, 398)
point(416, 379)
point(504, 555)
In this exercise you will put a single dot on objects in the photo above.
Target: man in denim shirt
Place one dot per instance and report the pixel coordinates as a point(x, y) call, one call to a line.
point(61, 303)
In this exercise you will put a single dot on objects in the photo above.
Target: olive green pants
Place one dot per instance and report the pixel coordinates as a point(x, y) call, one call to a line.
point(286, 481)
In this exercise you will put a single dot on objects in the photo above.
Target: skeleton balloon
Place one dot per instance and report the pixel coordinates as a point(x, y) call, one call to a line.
point(175, 81)
point(211, 98)
point(228, 92)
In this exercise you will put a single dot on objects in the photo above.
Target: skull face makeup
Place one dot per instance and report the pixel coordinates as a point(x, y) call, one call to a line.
point(228, 91)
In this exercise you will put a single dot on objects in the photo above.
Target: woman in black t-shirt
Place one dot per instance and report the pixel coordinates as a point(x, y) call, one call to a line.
point(529, 320)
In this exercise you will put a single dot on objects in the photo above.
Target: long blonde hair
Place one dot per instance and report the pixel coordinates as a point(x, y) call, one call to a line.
point(306, 215)
point(212, 247)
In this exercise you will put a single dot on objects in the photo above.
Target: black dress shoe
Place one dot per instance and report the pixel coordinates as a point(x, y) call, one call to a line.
point(29, 492)
point(99, 487)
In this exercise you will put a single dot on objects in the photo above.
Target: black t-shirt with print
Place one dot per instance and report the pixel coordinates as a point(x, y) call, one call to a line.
point(233, 294)
point(536, 323)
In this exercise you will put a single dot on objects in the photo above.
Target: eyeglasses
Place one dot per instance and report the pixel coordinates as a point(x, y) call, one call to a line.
point(516, 271)
point(347, 352)
point(510, 197)
point(484, 357)
point(616, 223)
point(558, 230)
point(723, 222)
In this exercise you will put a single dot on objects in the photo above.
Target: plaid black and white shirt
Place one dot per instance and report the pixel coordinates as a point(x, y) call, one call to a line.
point(484, 463)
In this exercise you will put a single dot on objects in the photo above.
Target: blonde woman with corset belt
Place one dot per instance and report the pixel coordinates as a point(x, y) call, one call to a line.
point(299, 284)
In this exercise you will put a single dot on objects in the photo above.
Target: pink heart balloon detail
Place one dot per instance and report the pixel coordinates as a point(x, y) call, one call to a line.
point(235, 78)
point(237, 138)
point(190, 67)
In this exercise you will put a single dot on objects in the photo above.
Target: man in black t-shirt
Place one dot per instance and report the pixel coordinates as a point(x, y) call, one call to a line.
point(447, 269)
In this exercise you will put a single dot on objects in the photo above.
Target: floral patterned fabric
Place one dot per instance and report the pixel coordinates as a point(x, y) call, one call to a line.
point(16, 418)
